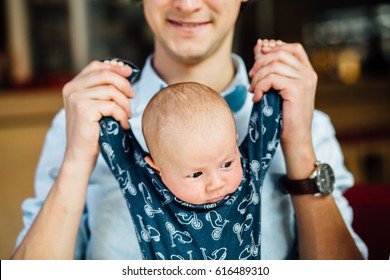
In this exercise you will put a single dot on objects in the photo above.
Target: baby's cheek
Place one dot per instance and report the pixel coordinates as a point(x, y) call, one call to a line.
point(238, 174)
point(191, 196)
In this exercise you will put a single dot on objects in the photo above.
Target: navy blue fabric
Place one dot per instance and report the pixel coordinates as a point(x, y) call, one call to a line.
point(168, 228)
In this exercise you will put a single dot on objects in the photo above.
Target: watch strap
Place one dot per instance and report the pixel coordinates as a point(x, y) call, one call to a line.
point(297, 187)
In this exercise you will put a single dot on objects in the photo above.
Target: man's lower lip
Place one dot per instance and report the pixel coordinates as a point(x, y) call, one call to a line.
point(188, 27)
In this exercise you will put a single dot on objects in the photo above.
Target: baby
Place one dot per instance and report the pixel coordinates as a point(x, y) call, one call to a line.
point(196, 194)
point(191, 136)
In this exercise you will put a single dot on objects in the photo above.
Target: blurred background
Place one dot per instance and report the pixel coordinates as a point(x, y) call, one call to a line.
point(44, 43)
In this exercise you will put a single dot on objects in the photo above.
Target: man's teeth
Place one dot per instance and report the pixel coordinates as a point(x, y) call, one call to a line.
point(188, 24)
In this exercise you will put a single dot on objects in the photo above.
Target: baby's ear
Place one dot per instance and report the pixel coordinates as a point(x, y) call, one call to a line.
point(152, 164)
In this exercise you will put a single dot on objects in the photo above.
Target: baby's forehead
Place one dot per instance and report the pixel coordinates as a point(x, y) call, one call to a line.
point(192, 145)
point(197, 129)
point(188, 108)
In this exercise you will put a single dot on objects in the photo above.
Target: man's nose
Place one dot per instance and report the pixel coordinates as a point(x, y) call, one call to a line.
point(188, 5)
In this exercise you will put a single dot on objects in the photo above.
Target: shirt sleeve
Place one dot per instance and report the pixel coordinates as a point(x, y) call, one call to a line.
point(328, 150)
point(279, 233)
point(47, 171)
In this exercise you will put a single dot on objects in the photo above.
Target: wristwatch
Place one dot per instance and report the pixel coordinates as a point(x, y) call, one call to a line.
point(321, 182)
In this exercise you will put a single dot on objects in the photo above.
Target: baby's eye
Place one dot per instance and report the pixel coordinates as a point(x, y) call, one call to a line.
point(226, 164)
point(195, 175)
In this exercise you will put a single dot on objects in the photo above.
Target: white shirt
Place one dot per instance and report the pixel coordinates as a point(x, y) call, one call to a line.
point(107, 231)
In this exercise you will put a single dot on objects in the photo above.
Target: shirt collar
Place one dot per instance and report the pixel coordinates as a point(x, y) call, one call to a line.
point(150, 83)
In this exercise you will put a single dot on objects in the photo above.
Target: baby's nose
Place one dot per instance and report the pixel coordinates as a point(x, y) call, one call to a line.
point(216, 182)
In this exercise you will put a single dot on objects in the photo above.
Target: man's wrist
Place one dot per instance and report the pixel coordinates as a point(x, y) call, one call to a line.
point(71, 185)
point(299, 161)
point(319, 183)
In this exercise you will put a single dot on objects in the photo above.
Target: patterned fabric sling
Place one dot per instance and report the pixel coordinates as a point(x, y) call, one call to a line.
point(171, 229)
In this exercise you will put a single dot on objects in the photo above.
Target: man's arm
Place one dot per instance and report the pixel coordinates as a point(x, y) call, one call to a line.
point(54, 231)
point(286, 68)
point(321, 229)
point(100, 89)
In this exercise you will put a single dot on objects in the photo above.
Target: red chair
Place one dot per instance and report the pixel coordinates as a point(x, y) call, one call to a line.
point(371, 206)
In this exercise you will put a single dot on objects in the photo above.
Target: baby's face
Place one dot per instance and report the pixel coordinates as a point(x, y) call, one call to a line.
point(203, 168)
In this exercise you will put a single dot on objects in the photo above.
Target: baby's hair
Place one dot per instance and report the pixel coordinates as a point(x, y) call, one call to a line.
point(186, 105)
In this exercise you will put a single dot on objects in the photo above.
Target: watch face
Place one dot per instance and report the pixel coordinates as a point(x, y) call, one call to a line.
point(325, 179)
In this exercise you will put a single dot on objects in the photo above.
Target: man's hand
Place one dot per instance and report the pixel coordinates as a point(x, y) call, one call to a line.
point(100, 89)
point(286, 68)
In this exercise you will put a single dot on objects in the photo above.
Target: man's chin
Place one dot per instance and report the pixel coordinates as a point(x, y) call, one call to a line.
point(190, 58)
point(190, 54)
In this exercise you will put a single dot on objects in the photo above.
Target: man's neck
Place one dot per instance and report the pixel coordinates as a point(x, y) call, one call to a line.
point(217, 71)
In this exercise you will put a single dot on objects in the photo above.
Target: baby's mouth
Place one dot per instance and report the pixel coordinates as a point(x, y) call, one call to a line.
point(216, 199)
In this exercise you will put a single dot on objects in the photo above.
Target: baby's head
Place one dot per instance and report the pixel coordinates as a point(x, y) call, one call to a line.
point(192, 139)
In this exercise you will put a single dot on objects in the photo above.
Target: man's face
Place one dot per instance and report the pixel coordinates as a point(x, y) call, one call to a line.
point(191, 30)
